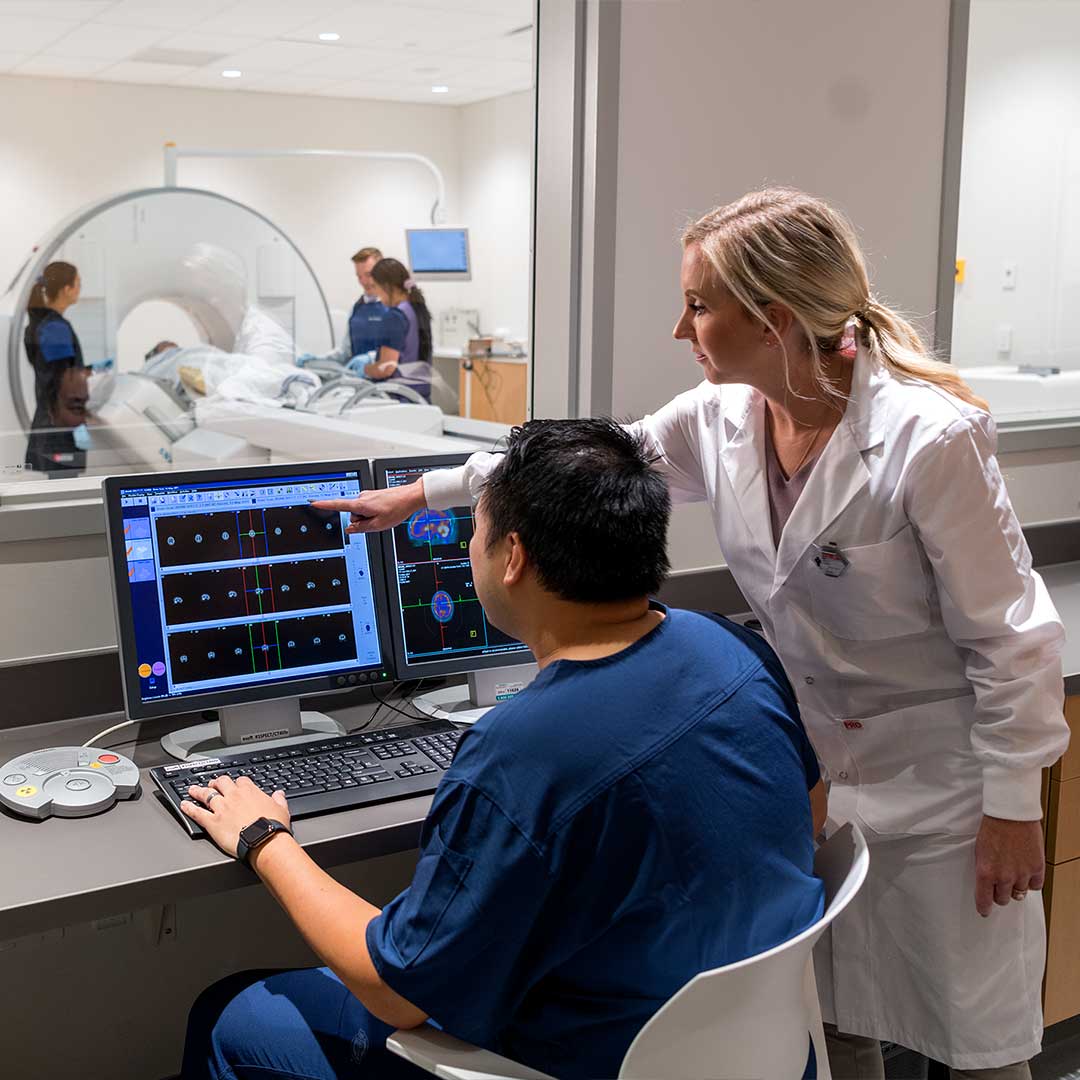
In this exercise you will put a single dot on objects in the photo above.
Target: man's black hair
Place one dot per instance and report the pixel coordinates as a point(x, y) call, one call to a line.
point(588, 506)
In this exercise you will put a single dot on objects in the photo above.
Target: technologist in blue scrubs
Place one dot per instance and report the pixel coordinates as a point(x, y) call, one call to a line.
point(368, 322)
point(57, 442)
point(643, 811)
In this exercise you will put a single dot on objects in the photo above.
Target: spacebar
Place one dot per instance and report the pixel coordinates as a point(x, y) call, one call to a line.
point(295, 793)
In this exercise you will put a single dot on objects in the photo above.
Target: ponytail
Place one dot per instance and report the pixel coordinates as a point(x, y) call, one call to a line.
point(423, 321)
point(894, 342)
point(47, 287)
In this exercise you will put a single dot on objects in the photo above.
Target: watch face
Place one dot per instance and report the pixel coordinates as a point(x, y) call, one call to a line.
point(256, 831)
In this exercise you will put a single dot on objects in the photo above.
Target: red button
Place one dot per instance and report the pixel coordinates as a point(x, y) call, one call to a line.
point(108, 759)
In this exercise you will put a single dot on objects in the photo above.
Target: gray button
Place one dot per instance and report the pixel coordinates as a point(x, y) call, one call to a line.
point(842, 774)
point(15, 779)
point(77, 783)
point(809, 680)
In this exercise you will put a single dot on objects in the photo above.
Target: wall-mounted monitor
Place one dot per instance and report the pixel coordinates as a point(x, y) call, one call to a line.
point(439, 253)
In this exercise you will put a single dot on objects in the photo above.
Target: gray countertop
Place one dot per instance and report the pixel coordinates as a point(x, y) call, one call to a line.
point(60, 871)
point(1063, 581)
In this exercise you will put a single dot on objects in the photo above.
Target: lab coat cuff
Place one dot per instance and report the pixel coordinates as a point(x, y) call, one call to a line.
point(1012, 794)
point(445, 488)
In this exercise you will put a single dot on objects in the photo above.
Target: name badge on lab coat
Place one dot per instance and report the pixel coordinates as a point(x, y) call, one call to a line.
point(831, 561)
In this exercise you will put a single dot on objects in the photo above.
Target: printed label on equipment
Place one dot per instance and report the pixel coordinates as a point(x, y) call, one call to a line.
point(260, 736)
point(506, 690)
point(202, 763)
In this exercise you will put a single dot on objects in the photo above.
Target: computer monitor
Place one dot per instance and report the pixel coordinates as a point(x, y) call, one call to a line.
point(437, 625)
point(234, 593)
point(438, 253)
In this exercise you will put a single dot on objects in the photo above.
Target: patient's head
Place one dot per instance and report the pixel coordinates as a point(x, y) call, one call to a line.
point(574, 511)
point(159, 348)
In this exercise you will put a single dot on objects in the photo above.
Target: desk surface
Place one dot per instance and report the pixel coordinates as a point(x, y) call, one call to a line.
point(60, 871)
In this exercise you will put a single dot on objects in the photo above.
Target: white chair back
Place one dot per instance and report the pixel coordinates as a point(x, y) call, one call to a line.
point(753, 1018)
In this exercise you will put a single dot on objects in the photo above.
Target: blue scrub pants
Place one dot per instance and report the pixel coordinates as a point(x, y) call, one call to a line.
point(296, 1025)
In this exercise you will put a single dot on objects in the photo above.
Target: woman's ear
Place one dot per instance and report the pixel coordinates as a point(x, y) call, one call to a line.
point(781, 318)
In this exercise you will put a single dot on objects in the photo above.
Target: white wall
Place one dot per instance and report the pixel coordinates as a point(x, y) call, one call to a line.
point(844, 100)
point(496, 200)
point(1020, 185)
point(65, 143)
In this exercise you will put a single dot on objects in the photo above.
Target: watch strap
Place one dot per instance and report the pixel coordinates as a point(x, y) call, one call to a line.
point(244, 849)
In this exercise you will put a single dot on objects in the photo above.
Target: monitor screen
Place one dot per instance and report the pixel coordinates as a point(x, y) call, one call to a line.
point(441, 252)
point(232, 587)
point(437, 622)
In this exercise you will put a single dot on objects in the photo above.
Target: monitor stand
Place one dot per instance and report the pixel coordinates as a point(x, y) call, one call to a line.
point(245, 727)
point(485, 689)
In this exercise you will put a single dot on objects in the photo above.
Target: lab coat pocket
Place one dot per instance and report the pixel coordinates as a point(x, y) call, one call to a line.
point(881, 594)
point(916, 771)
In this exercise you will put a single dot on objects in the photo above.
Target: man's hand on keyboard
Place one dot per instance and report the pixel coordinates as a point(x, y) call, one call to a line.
point(226, 806)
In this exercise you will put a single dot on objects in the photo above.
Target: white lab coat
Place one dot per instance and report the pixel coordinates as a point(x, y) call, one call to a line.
point(929, 680)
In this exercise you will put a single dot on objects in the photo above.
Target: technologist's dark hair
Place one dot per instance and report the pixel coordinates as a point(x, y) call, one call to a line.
point(589, 507)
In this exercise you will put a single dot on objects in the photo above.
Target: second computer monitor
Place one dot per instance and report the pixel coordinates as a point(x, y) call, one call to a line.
point(438, 626)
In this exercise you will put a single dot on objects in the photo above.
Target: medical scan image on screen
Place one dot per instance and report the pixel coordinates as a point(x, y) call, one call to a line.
point(239, 583)
point(440, 615)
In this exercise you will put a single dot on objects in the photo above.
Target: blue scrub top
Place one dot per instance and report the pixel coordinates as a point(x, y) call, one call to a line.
point(371, 325)
point(618, 827)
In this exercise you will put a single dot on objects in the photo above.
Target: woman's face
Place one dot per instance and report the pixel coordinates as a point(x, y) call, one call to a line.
point(381, 292)
point(71, 292)
point(729, 344)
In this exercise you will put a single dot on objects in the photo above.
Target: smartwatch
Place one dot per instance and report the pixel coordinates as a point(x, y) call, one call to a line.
point(258, 832)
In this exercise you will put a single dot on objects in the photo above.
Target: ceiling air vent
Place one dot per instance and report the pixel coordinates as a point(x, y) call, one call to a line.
point(179, 57)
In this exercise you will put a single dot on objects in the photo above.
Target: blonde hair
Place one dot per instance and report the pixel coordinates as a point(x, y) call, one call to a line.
point(786, 247)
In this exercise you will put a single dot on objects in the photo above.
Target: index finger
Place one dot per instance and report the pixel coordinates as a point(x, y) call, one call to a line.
point(333, 504)
point(984, 894)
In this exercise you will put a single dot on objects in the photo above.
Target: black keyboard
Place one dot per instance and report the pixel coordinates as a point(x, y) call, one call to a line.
point(335, 773)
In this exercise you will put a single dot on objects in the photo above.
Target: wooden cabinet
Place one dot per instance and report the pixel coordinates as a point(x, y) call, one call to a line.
point(1061, 895)
point(494, 389)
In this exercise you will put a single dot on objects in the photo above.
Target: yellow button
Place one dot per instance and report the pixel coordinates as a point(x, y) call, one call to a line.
point(95, 764)
point(26, 792)
point(144, 671)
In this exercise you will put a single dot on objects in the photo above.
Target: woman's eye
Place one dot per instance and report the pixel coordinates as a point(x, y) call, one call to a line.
point(697, 309)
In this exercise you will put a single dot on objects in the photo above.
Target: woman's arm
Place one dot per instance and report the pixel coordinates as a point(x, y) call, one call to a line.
point(385, 365)
point(998, 612)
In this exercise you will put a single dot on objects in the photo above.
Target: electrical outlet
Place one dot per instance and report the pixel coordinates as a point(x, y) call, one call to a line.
point(1004, 338)
point(1008, 276)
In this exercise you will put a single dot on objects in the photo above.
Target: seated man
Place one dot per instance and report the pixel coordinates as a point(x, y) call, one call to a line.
point(639, 813)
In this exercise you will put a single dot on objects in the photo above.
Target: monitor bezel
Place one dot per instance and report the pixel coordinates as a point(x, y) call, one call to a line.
point(439, 275)
point(429, 668)
point(134, 706)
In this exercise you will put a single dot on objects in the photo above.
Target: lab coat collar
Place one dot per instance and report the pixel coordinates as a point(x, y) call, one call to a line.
point(841, 471)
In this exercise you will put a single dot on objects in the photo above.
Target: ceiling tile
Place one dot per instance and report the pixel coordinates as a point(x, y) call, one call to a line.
point(276, 56)
point(107, 42)
point(219, 44)
point(136, 71)
point(289, 84)
point(521, 10)
point(8, 60)
point(22, 34)
point(63, 67)
point(347, 64)
point(515, 47)
point(77, 10)
point(211, 79)
point(162, 14)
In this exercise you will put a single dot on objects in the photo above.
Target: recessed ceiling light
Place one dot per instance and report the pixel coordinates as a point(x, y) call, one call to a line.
point(440, 89)
point(329, 36)
point(231, 73)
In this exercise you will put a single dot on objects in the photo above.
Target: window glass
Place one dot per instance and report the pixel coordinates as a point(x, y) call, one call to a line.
point(1015, 332)
point(235, 297)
